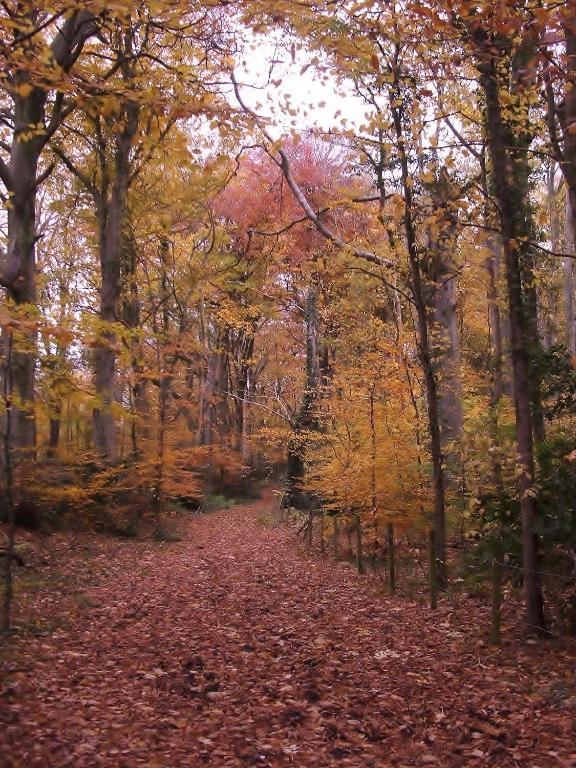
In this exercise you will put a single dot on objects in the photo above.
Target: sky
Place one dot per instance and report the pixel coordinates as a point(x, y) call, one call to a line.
point(281, 83)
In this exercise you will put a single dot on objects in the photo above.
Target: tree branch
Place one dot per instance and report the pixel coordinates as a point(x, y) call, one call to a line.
point(80, 175)
point(285, 166)
point(6, 175)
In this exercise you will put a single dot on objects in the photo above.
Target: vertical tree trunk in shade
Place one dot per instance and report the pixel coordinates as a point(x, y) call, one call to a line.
point(561, 120)
point(215, 390)
point(7, 510)
point(163, 372)
point(496, 362)
point(359, 544)
point(111, 234)
point(493, 268)
point(244, 373)
point(373, 486)
point(306, 418)
point(448, 358)
point(568, 274)
point(21, 180)
point(130, 311)
point(568, 167)
point(391, 557)
point(53, 436)
point(213, 414)
point(245, 434)
point(509, 201)
point(423, 341)
point(21, 258)
point(336, 535)
point(531, 309)
point(548, 316)
point(440, 286)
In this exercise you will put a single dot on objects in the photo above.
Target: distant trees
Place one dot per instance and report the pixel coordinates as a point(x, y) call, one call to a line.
point(187, 297)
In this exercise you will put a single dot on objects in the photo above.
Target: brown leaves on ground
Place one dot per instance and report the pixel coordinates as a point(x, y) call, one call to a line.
point(231, 649)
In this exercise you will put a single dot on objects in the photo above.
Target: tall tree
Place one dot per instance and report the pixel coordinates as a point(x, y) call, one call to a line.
point(37, 98)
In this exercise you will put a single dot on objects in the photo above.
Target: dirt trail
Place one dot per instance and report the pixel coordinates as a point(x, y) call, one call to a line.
point(231, 649)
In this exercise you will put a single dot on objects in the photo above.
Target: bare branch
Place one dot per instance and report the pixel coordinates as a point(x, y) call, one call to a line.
point(283, 162)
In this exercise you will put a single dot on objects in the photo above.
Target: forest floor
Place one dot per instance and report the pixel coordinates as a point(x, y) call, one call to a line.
point(234, 648)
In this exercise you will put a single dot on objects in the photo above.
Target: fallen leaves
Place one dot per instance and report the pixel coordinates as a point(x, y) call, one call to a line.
point(231, 649)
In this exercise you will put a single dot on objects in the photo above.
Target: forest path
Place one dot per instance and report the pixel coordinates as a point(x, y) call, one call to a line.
point(231, 648)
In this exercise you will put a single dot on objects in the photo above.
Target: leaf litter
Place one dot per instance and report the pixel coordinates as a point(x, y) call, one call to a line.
point(233, 648)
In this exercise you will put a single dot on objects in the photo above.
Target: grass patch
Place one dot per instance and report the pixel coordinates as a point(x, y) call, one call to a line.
point(266, 519)
point(166, 534)
point(85, 601)
point(216, 502)
point(182, 508)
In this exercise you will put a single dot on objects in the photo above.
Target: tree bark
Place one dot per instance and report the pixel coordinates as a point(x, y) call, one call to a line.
point(568, 273)
point(507, 195)
point(306, 419)
point(20, 177)
point(424, 348)
point(111, 233)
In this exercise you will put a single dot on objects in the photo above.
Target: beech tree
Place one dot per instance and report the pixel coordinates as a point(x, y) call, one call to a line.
point(40, 50)
point(196, 297)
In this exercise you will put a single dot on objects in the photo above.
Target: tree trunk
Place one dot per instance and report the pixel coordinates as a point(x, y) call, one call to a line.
point(111, 223)
point(391, 557)
point(20, 178)
point(550, 297)
point(424, 349)
point(568, 273)
point(140, 427)
point(53, 437)
point(440, 282)
point(164, 378)
point(496, 362)
point(564, 147)
point(245, 437)
point(336, 534)
point(21, 267)
point(7, 510)
point(448, 360)
point(359, 545)
point(511, 205)
point(306, 419)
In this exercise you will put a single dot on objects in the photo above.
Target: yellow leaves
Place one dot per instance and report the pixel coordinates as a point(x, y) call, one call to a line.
point(428, 177)
point(24, 90)
point(108, 107)
point(530, 493)
point(506, 98)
